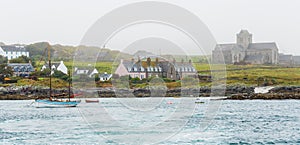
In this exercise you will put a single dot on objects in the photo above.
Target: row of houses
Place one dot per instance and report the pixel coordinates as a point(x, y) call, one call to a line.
point(139, 69)
point(148, 68)
point(90, 72)
point(25, 69)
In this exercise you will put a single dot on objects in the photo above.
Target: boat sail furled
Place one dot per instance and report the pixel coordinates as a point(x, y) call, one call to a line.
point(51, 102)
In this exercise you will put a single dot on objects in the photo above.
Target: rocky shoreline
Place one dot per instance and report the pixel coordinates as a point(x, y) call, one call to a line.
point(27, 93)
point(232, 93)
point(276, 93)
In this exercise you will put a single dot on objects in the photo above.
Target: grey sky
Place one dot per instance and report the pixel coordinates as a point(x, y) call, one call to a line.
point(65, 22)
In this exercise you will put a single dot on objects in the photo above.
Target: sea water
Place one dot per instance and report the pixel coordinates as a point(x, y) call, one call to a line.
point(235, 122)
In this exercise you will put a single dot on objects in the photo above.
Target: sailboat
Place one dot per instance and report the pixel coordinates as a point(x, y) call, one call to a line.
point(52, 102)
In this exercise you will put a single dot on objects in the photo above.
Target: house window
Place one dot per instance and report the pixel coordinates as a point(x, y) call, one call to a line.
point(142, 76)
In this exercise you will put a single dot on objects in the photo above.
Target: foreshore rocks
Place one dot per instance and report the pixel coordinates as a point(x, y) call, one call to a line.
point(277, 93)
point(27, 93)
point(176, 92)
point(232, 92)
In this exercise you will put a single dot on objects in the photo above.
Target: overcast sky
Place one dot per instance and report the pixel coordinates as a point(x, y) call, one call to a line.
point(65, 22)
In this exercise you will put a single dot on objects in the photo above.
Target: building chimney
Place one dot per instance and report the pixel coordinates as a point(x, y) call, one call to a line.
point(182, 60)
point(156, 60)
point(174, 60)
point(190, 61)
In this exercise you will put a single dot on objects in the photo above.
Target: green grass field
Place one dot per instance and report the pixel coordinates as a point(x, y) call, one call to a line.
point(254, 74)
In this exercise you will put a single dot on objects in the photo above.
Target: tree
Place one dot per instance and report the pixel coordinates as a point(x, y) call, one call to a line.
point(5, 71)
point(60, 75)
point(44, 73)
point(135, 80)
point(97, 78)
point(3, 59)
point(21, 59)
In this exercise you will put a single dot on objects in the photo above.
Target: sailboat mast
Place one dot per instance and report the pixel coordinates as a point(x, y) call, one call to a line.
point(50, 66)
point(69, 86)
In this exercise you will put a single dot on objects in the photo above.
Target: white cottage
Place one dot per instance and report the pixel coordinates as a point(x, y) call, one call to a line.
point(105, 77)
point(90, 72)
point(60, 66)
point(13, 51)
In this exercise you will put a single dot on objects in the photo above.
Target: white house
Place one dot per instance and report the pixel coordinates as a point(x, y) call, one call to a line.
point(2, 52)
point(13, 51)
point(88, 71)
point(60, 66)
point(105, 77)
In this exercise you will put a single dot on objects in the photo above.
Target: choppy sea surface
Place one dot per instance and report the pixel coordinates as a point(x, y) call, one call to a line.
point(235, 122)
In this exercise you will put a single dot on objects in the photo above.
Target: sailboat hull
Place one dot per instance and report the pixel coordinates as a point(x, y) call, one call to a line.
point(55, 104)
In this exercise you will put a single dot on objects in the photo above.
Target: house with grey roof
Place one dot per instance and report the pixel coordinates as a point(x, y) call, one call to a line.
point(296, 60)
point(105, 77)
point(148, 68)
point(13, 51)
point(244, 50)
point(285, 59)
point(89, 71)
point(131, 68)
point(21, 69)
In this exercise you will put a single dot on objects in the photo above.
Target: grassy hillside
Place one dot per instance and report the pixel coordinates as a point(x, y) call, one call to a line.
point(66, 53)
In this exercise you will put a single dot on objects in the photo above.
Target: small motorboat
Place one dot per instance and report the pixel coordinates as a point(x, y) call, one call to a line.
point(91, 101)
point(198, 101)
